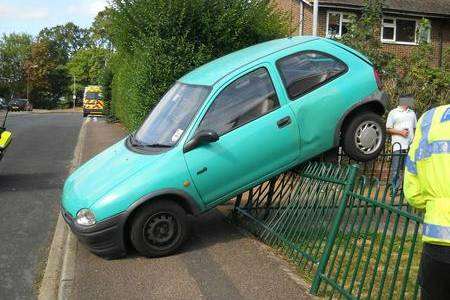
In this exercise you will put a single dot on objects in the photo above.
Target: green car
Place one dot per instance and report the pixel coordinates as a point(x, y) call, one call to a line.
point(220, 130)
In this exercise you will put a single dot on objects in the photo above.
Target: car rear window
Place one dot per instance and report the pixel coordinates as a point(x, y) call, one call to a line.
point(305, 71)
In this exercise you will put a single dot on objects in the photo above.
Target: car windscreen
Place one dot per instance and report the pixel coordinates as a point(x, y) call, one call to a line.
point(92, 96)
point(172, 115)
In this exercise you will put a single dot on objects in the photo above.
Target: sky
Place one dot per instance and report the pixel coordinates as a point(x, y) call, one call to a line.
point(30, 16)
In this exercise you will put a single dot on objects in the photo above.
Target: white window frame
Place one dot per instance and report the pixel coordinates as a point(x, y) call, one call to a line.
point(394, 26)
point(341, 21)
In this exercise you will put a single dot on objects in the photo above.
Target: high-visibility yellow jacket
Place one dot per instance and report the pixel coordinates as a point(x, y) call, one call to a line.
point(427, 174)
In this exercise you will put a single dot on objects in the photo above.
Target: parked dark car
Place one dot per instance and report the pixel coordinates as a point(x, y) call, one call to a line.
point(3, 103)
point(20, 105)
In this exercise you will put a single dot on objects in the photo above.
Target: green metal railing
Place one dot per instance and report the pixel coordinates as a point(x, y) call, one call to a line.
point(347, 233)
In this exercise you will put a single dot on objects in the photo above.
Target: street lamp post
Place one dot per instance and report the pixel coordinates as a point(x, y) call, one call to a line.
point(28, 81)
point(74, 96)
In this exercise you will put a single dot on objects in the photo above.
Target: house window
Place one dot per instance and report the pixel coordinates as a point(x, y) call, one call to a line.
point(337, 23)
point(400, 30)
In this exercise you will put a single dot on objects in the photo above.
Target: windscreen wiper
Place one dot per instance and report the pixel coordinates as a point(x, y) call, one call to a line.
point(157, 145)
point(134, 142)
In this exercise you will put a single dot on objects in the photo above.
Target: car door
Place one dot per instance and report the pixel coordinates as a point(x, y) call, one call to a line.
point(257, 137)
point(313, 85)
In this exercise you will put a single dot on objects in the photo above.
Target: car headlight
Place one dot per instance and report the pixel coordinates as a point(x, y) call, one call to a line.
point(85, 217)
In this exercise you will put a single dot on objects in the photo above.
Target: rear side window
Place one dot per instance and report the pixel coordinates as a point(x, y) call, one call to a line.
point(243, 101)
point(305, 71)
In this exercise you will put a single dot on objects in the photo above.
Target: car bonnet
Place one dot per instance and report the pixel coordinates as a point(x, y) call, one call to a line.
point(101, 174)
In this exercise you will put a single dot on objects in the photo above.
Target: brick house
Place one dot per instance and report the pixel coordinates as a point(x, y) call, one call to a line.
point(397, 31)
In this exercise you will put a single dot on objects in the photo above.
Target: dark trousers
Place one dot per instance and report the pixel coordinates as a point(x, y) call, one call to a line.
point(434, 272)
point(397, 165)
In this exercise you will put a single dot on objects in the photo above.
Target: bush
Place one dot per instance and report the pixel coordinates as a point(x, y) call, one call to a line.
point(418, 76)
point(106, 82)
point(158, 41)
point(430, 85)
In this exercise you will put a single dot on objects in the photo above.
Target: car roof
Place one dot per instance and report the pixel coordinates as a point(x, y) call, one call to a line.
point(217, 69)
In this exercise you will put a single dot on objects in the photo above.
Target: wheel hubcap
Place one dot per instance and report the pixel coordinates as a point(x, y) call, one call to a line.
point(161, 230)
point(368, 137)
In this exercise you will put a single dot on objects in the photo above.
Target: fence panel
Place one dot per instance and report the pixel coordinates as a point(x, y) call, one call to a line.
point(299, 216)
point(348, 234)
point(376, 252)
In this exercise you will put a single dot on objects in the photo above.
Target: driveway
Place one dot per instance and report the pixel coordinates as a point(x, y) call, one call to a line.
point(32, 174)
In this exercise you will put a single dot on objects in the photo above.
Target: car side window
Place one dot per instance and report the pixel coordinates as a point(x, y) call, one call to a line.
point(305, 71)
point(243, 101)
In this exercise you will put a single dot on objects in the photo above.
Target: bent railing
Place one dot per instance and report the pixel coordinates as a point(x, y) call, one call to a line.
point(347, 233)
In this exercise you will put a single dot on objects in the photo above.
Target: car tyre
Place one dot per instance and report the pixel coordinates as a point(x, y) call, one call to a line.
point(159, 229)
point(85, 114)
point(364, 137)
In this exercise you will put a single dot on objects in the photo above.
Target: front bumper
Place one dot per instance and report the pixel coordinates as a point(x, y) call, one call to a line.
point(93, 111)
point(106, 238)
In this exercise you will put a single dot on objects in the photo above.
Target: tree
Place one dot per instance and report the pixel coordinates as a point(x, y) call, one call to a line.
point(88, 65)
point(67, 39)
point(48, 78)
point(99, 29)
point(14, 51)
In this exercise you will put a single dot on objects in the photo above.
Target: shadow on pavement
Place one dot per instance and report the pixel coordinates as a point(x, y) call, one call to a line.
point(30, 182)
point(206, 231)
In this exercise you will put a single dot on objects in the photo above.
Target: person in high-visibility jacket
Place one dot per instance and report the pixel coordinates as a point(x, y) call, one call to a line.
point(427, 186)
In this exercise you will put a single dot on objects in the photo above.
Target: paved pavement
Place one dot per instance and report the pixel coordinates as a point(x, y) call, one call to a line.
point(31, 177)
point(218, 262)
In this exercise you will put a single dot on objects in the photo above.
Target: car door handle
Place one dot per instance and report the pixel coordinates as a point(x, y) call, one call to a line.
point(202, 170)
point(284, 122)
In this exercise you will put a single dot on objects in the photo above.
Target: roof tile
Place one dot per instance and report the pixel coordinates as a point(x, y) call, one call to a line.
point(438, 7)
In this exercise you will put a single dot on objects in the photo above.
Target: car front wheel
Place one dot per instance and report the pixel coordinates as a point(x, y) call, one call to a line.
point(159, 229)
point(364, 137)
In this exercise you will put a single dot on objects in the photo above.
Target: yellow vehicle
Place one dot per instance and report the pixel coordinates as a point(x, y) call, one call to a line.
point(93, 102)
point(5, 136)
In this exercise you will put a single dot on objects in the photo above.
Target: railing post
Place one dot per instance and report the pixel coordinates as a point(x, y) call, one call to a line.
point(249, 204)
point(272, 183)
point(237, 203)
point(348, 187)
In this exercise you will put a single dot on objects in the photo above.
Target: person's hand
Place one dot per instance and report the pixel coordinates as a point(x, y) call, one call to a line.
point(404, 132)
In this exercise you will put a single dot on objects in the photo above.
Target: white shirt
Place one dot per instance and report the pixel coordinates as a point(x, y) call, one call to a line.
point(402, 119)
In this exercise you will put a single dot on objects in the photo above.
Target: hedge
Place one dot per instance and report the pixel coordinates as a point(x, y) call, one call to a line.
point(158, 41)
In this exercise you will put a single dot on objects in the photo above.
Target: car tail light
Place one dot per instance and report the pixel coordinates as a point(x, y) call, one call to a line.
point(377, 78)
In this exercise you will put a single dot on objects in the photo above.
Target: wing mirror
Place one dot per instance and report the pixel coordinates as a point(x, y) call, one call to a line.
point(202, 137)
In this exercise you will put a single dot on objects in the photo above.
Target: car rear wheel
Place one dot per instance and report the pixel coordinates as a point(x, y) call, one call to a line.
point(159, 229)
point(364, 137)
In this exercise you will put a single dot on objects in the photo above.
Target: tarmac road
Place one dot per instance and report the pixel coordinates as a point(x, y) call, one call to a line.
point(32, 174)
